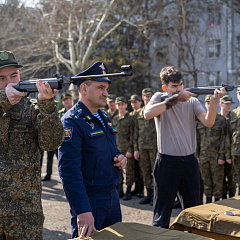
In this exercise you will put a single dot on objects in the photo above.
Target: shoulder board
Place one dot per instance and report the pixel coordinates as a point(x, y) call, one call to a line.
point(77, 113)
point(61, 110)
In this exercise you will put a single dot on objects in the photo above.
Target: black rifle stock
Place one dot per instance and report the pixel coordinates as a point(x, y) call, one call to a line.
point(204, 90)
point(60, 81)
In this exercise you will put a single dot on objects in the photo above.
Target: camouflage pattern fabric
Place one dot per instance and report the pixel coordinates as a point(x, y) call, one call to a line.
point(235, 127)
point(145, 141)
point(112, 115)
point(229, 182)
point(123, 125)
point(27, 129)
point(211, 146)
point(24, 227)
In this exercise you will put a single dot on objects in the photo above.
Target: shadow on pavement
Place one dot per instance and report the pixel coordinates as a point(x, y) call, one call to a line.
point(48, 235)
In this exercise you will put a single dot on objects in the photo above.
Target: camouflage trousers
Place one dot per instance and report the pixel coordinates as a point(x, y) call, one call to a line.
point(236, 165)
point(229, 183)
point(130, 171)
point(212, 175)
point(147, 159)
point(23, 227)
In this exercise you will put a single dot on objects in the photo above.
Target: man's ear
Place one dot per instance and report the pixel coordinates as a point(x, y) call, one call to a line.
point(164, 88)
point(83, 88)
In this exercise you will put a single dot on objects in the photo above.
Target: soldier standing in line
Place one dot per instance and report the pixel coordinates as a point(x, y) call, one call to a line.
point(123, 124)
point(145, 146)
point(235, 149)
point(28, 127)
point(211, 151)
point(229, 184)
point(112, 110)
point(66, 99)
point(136, 103)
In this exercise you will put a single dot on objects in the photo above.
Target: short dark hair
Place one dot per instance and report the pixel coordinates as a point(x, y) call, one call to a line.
point(170, 73)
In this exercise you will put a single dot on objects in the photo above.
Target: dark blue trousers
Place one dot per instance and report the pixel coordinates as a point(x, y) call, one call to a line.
point(174, 175)
point(105, 209)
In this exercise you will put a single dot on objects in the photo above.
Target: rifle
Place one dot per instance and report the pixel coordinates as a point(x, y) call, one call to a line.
point(204, 90)
point(60, 81)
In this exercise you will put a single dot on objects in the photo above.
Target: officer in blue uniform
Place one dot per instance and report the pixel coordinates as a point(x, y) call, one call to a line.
point(89, 161)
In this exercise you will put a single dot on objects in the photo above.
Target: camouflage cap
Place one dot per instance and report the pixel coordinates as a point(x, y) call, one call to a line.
point(238, 89)
point(135, 97)
point(7, 59)
point(121, 99)
point(226, 99)
point(111, 97)
point(207, 98)
point(146, 91)
point(65, 96)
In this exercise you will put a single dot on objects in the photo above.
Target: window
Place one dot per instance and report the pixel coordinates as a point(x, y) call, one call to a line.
point(214, 48)
point(214, 79)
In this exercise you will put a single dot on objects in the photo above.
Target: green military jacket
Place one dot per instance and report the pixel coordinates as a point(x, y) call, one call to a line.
point(235, 128)
point(61, 112)
point(110, 115)
point(212, 141)
point(145, 135)
point(123, 126)
point(27, 129)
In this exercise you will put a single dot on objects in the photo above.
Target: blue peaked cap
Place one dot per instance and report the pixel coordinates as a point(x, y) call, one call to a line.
point(96, 69)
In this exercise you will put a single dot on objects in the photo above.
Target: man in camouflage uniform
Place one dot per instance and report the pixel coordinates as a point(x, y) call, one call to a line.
point(28, 127)
point(211, 151)
point(136, 103)
point(112, 110)
point(145, 145)
point(229, 184)
point(66, 99)
point(235, 149)
point(123, 124)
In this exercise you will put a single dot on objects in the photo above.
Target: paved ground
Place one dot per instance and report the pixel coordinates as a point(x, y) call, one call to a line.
point(56, 209)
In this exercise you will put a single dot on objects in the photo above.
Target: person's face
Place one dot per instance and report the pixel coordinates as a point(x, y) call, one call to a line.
point(111, 104)
point(96, 94)
point(146, 98)
point(67, 103)
point(207, 104)
point(173, 87)
point(121, 107)
point(226, 106)
point(8, 75)
point(136, 104)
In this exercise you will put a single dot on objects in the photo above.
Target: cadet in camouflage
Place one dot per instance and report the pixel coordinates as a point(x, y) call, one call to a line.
point(123, 123)
point(211, 151)
point(235, 149)
point(28, 127)
point(112, 110)
point(136, 103)
point(66, 99)
point(229, 183)
point(145, 145)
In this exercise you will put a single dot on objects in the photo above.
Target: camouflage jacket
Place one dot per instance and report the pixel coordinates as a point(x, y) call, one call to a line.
point(110, 115)
point(235, 128)
point(212, 141)
point(123, 126)
point(27, 129)
point(145, 135)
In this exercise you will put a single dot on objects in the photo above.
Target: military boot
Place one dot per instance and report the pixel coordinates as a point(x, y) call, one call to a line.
point(120, 190)
point(128, 194)
point(217, 199)
point(152, 195)
point(140, 190)
point(224, 196)
point(231, 195)
point(135, 191)
point(147, 199)
point(209, 199)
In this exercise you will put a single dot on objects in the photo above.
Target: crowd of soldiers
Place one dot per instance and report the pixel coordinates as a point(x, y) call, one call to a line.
point(217, 150)
point(137, 140)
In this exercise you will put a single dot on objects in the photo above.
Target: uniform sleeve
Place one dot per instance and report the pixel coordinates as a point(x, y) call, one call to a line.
point(49, 127)
point(136, 134)
point(4, 102)
point(228, 141)
point(70, 159)
point(223, 138)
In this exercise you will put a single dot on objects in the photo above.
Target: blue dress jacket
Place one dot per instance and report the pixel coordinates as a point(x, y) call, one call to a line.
point(86, 165)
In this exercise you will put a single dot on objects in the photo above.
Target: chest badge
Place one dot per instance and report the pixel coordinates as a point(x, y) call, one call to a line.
point(91, 125)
